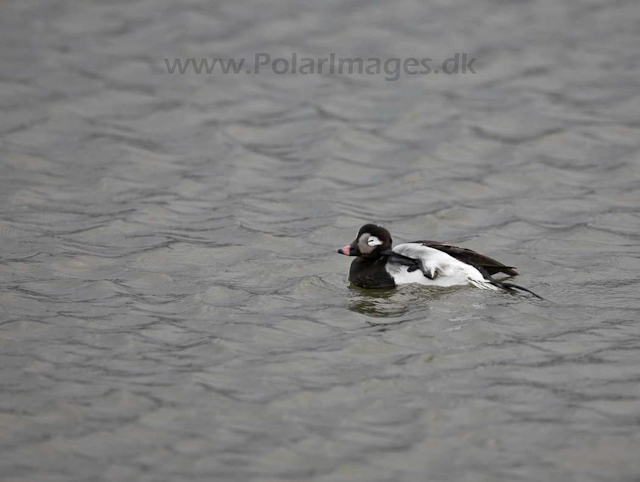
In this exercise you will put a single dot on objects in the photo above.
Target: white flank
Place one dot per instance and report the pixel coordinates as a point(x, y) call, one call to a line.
point(447, 270)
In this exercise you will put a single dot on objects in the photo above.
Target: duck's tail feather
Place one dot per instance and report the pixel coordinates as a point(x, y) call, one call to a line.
point(511, 287)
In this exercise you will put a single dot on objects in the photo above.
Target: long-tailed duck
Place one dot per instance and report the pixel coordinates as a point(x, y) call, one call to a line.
point(378, 265)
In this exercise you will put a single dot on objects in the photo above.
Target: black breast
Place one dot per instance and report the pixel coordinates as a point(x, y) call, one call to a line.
point(367, 273)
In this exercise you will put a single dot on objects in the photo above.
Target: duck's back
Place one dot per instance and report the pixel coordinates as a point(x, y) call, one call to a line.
point(469, 256)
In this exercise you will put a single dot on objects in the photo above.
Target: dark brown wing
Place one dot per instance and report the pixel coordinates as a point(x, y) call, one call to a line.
point(471, 257)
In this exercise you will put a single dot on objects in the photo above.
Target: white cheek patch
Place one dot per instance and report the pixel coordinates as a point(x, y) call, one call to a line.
point(373, 241)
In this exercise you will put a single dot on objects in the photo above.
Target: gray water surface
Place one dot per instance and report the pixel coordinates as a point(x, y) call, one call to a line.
point(172, 307)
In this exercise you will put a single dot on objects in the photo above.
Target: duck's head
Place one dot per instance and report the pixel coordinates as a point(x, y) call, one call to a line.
point(369, 243)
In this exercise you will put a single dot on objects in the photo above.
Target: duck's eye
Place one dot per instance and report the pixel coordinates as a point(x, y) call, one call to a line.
point(373, 241)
